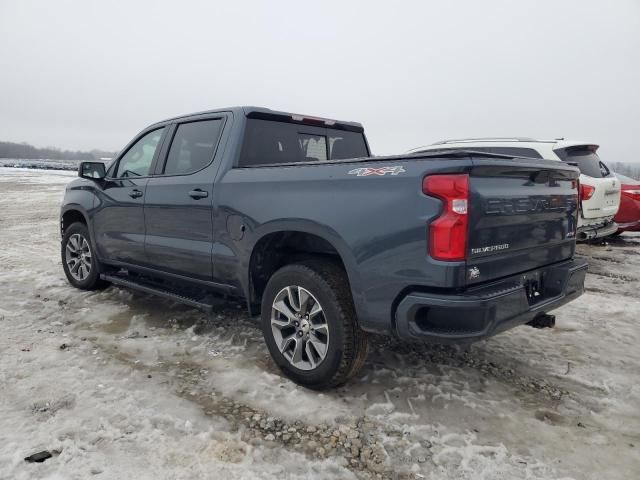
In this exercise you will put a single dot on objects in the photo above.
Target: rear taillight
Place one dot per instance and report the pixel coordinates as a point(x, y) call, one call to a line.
point(448, 232)
point(632, 193)
point(586, 191)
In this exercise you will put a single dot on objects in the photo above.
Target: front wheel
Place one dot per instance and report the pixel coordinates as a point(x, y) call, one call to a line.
point(309, 325)
point(78, 259)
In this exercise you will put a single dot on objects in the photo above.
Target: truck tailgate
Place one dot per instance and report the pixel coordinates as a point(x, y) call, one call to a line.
point(522, 216)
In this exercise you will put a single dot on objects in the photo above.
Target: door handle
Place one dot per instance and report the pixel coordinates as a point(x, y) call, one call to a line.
point(135, 193)
point(198, 194)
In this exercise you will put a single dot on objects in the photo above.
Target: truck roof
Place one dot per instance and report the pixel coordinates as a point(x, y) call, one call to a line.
point(267, 113)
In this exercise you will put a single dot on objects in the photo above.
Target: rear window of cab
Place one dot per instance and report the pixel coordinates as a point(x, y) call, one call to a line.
point(268, 142)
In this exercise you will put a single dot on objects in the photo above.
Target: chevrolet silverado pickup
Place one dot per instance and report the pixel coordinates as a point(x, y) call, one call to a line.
point(327, 243)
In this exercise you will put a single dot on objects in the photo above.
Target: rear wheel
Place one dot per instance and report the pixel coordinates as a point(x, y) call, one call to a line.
point(309, 325)
point(78, 259)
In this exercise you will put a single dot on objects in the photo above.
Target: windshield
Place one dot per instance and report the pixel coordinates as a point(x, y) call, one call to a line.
point(587, 159)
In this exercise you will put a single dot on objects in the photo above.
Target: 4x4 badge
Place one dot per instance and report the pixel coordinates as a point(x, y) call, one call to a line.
point(366, 171)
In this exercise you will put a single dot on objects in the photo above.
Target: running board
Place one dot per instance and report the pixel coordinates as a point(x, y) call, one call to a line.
point(205, 304)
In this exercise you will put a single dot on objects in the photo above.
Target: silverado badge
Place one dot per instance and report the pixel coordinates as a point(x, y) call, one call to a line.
point(491, 248)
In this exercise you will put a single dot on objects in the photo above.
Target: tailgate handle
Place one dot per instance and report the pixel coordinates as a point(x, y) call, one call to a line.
point(198, 194)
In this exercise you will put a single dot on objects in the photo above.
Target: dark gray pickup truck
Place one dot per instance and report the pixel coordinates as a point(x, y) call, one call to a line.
point(294, 215)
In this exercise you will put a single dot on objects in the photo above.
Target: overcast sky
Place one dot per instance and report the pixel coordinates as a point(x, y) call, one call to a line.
point(91, 74)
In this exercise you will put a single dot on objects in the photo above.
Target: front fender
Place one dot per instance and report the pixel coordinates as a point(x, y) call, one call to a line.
point(79, 198)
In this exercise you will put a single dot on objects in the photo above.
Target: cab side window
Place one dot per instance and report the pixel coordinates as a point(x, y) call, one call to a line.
point(137, 161)
point(193, 146)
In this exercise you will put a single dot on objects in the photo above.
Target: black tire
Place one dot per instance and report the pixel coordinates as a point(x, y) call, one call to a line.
point(346, 350)
point(92, 280)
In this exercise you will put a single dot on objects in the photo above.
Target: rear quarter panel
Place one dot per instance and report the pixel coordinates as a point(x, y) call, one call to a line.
point(377, 223)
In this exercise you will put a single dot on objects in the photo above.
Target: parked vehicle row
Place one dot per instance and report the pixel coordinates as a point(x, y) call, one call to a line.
point(328, 243)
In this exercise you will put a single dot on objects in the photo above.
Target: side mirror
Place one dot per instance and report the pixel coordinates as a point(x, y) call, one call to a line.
point(92, 170)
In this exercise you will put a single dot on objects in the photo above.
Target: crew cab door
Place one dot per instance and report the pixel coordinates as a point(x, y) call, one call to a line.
point(178, 203)
point(118, 220)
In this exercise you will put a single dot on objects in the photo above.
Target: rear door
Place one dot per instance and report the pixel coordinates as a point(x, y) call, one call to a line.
point(178, 201)
point(604, 199)
point(522, 216)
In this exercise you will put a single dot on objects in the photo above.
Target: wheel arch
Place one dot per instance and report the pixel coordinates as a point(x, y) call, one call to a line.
point(70, 215)
point(287, 243)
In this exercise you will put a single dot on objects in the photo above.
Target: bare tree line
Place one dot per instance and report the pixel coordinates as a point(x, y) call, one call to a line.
point(26, 151)
point(629, 169)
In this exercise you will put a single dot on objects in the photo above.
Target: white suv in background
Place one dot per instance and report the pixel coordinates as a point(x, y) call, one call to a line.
point(599, 187)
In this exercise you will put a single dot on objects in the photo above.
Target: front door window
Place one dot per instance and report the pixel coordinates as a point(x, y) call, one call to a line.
point(137, 161)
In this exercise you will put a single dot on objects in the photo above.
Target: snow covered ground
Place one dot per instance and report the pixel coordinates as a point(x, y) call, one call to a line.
point(121, 385)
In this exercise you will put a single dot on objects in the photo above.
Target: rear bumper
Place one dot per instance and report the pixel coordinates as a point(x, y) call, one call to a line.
point(484, 311)
point(589, 232)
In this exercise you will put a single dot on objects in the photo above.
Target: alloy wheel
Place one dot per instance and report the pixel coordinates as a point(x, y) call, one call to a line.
point(78, 257)
point(299, 327)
